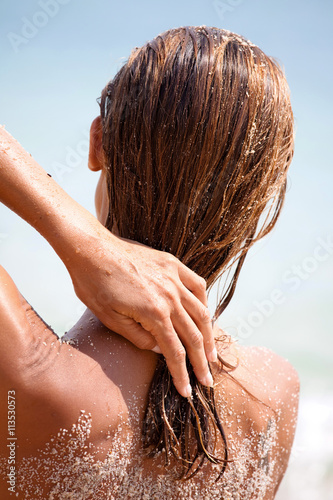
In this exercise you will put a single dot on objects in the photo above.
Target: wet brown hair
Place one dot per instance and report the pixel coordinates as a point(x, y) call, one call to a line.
point(197, 138)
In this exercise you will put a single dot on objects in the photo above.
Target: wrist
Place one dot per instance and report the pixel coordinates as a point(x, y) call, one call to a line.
point(81, 241)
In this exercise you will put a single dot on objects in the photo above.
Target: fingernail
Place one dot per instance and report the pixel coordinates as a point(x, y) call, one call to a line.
point(157, 349)
point(188, 391)
point(208, 380)
point(212, 356)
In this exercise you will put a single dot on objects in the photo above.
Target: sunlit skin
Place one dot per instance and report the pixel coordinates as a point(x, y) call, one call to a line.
point(99, 371)
point(193, 145)
point(159, 302)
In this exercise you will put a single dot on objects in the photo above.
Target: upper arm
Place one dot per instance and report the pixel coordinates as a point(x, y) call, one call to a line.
point(52, 381)
point(14, 328)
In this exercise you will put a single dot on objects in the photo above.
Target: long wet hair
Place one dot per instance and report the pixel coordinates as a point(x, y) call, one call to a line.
point(197, 139)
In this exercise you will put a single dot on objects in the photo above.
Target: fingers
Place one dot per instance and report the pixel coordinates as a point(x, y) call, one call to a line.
point(178, 332)
point(193, 341)
point(193, 282)
point(129, 329)
point(166, 303)
point(175, 356)
point(201, 317)
point(168, 344)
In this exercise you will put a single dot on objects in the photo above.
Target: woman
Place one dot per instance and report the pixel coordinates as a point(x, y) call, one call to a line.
point(193, 143)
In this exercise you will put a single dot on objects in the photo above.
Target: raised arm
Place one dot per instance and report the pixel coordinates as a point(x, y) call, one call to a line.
point(147, 296)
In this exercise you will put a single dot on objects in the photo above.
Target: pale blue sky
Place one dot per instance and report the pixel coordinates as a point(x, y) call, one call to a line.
point(51, 75)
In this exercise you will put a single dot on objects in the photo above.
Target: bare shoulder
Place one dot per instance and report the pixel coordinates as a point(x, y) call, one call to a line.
point(272, 380)
point(280, 389)
point(266, 375)
point(270, 374)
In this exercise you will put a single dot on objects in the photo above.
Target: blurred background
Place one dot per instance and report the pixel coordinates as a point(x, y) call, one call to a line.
point(57, 55)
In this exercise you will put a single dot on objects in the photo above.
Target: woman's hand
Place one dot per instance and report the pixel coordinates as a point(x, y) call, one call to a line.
point(150, 298)
point(147, 296)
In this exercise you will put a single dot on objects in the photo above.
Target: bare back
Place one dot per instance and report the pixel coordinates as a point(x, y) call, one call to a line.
point(80, 406)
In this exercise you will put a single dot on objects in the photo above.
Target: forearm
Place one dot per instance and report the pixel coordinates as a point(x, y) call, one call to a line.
point(147, 296)
point(31, 193)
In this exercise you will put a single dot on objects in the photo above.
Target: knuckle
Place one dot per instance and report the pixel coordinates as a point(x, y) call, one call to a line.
point(171, 259)
point(158, 311)
point(168, 260)
point(196, 341)
point(146, 343)
point(205, 315)
point(169, 295)
point(162, 316)
point(202, 284)
point(178, 355)
point(155, 310)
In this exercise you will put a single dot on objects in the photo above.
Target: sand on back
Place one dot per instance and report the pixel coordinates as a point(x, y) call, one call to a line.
point(93, 460)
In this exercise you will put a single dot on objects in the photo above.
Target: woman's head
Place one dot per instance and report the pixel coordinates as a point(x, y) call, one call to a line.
point(195, 138)
point(197, 133)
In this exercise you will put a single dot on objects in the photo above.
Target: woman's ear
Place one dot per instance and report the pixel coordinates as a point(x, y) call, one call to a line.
point(95, 159)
